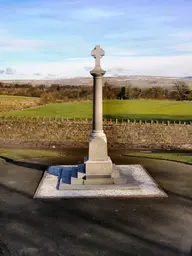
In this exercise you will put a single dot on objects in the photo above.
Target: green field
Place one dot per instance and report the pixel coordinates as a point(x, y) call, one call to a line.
point(121, 109)
point(10, 103)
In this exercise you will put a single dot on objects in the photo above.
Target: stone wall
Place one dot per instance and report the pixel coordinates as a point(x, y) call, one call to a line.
point(44, 132)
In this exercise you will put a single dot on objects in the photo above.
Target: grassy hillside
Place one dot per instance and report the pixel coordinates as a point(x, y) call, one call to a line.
point(132, 109)
point(9, 103)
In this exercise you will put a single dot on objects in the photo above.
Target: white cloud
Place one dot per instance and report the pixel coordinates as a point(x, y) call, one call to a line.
point(172, 36)
point(123, 52)
point(181, 41)
point(145, 65)
point(183, 47)
point(75, 59)
point(9, 42)
point(8, 71)
point(161, 19)
point(33, 11)
point(31, 8)
point(131, 34)
point(183, 35)
point(115, 35)
point(95, 13)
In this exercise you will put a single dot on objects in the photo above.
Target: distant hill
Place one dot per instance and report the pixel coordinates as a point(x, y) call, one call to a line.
point(139, 81)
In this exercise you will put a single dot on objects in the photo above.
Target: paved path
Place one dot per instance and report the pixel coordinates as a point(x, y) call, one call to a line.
point(95, 226)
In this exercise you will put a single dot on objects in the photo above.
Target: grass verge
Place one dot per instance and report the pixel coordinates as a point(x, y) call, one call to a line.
point(16, 154)
point(177, 157)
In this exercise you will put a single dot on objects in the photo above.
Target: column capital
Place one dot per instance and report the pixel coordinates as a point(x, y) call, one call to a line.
point(97, 72)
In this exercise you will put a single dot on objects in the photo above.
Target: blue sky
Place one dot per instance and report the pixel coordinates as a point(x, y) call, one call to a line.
point(53, 39)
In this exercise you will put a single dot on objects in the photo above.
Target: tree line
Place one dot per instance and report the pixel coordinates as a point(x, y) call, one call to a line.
point(58, 93)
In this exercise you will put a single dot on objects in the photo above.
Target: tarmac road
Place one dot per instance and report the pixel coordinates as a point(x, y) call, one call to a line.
point(98, 227)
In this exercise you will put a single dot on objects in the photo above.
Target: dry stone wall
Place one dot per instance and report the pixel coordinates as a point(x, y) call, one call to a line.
point(44, 132)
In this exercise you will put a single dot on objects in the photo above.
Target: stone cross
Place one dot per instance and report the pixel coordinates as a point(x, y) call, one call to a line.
point(98, 166)
point(97, 53)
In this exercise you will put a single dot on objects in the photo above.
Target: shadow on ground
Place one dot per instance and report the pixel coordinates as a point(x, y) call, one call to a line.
point(31, 165)
point(97, 226)
point(21, 176)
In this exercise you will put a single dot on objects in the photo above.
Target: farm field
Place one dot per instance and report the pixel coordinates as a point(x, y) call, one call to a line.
point(10, 103)
point(120, 109)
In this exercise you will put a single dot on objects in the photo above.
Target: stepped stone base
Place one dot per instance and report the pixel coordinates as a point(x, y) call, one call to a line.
point(98, 172)
point(98, 181)
point(77, 181)
point(98, 167)
point(139, 184)
point(78, 175)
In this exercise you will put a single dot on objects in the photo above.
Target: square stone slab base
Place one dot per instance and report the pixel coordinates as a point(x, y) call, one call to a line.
point(140, 184)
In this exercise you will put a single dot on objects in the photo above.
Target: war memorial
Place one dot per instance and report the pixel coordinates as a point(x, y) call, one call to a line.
point(98, 176)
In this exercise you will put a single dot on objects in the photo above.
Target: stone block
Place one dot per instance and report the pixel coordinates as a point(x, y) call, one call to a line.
point(120, 180)
point(98, 149)
point(115, 172)
point(80, 175)
point(98, 181)
point(98, 167)
point(75, 181)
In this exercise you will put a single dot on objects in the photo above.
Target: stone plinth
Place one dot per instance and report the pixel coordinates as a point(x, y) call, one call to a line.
point(98, 149)
point(98, 167)
point(139, 184)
